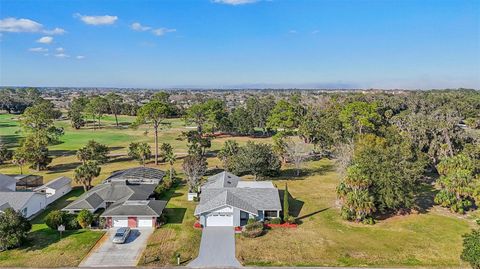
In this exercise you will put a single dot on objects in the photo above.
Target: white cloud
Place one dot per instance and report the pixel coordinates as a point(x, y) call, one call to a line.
point(60, 49)
point(162, 31)
point(56, 31)
point(39, 49)
point(15, 25)
point(45, 40)
point(97, 20)
point(80, 57)
point(61, 55)
point(138, 27)
point(235, 2)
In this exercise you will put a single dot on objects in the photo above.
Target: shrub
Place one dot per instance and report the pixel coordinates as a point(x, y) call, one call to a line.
point(276, 221)
point(368, 220)
point(471, 248)
point(71, 222)
point(54, 219)
point(57, 218)
point(253, 230)
point(251, 221)
point(13, 229)
point(85, 218)
point(291, 220)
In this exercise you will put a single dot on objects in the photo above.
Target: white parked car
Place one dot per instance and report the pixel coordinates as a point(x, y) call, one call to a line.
point(121, 235)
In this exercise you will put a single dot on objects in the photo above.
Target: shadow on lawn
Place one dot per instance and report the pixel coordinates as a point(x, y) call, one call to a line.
point(10, 140)
point(64, 167)
point(291, 173)
point(295, 205)
point(175, 215)
point(45, 237)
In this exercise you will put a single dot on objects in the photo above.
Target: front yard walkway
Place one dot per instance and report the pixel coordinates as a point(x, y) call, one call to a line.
point(108, 254)
point(217, 248)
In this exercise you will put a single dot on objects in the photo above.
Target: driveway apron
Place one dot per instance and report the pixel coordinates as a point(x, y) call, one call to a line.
point(217, 248)
point(108, 254)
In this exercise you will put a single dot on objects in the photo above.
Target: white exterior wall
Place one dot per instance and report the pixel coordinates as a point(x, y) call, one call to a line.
point(53, 195)
point(236, 217)
point(37, 203)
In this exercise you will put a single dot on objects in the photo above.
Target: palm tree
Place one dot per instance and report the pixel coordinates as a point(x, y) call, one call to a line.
point(170, 158)
point(360, 202)
point(85, 173)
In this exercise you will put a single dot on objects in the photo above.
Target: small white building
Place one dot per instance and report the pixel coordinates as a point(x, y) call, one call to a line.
point(55, 189)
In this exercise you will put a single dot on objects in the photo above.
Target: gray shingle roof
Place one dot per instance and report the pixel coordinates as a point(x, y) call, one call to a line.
point(111, 192)
point(56, 183)
point(249, 199)
point(136, 208)
point(6, 181)
point(4, 206)
point(222, 180)
point(17, 199)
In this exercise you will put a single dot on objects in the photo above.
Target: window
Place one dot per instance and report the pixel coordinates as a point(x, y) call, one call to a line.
point(270, 214)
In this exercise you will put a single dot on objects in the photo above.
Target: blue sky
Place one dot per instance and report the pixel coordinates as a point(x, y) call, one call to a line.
point(240, 43)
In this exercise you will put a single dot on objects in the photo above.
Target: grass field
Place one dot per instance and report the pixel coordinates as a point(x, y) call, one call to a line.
point(431, 239)
point(324, 239)
point(46, 248)
point(176, 237)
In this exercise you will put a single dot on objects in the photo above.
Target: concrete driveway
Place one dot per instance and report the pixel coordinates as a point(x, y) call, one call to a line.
point(217, 248)
point(108, 254)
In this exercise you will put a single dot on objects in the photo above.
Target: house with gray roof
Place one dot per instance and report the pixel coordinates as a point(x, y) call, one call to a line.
point(228, 200)
point(55, 189)
point(26, 202)
point(126, 198)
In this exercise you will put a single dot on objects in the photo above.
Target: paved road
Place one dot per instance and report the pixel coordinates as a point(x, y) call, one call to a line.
point(217, 248)
point(108, 254)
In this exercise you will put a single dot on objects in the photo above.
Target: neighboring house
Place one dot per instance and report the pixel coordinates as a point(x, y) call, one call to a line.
point(127, 198)
point(227, 200)
point(55, 189)
point(28, 203)
point(7, 183)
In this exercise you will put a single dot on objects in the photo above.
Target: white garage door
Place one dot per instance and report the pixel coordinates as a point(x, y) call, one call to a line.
point(145, 222)
point(120, 222)
point(220, 219)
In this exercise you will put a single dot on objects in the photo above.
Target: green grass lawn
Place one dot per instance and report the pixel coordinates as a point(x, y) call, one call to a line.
point(324, 239)
point(432, 239)
point(177, 236)
point(45, 247)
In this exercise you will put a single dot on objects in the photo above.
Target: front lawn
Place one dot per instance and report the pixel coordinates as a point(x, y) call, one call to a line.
point(46, 248)
point(324, 239)
point(177, 236)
